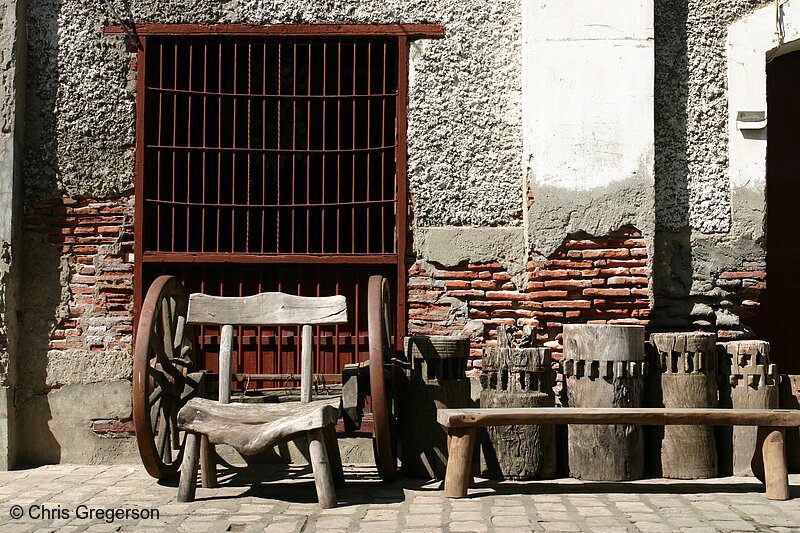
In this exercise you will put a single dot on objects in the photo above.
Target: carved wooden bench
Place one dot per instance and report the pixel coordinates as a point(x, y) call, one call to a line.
point(769, 458)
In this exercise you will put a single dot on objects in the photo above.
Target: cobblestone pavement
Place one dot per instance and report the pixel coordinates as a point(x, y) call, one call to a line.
point(261, 499)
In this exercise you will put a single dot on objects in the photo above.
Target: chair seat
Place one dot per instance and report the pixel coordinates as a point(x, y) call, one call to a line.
point(252, 428)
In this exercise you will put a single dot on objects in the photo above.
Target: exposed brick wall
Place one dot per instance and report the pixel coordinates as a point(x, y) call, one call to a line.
point(95, 237)
point(737, 294)
point(587, 280)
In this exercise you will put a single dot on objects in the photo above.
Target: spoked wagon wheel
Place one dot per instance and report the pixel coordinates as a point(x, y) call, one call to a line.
point(163, 361)
point(380, 355)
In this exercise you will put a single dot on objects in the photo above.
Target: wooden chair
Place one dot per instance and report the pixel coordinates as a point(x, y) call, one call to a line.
point(253, 428)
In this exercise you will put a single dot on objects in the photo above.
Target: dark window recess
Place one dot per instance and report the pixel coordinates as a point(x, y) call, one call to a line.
point(270, 146)
point(271, 164)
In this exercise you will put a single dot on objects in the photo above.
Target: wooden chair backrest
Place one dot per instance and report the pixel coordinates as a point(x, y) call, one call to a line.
point(265, 309)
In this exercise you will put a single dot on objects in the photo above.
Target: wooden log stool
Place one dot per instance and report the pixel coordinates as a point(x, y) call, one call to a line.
point(751, 383)
point(516, 374)
point(604, 367)
point(253, 428)
point(687, 366)
point(438, 380)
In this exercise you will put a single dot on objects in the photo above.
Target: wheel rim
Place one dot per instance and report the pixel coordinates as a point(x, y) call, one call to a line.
point(380, 352)
point(164, 353)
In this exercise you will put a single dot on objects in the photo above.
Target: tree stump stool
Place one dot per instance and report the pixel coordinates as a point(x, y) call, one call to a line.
point(514, 375)
point(438, 381)
point(604, 367)
point(752, 383)
point(688, 368)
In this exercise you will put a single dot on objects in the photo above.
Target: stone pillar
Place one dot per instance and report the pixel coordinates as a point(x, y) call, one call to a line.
point(438, 381)
point(517, 376)
point(13, 58)
point(753, 384)
point(604, 367)
point(688, 379)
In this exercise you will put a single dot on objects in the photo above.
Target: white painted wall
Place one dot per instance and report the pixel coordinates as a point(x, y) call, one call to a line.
point(750, 41)
point(587, 86)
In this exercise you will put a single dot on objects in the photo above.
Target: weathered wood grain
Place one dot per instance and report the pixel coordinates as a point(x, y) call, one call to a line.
point(455, 418)
point(266, 309)
point(252, 428)
point(513, 376)
point(603, 366)
point(225, 350)
point(459, 466)
point(188, 481)
point(320, 463)
point(306, 363)
point(437, 381)
point(687, 364)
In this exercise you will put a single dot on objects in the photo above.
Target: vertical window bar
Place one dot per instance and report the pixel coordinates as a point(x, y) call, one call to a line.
point(219, 143)
point(249, 137)
point(174, 138)
point(353, 146)
point(368, 186)
point(294, 140)
point(308, 156)
point(264, 154)
point(159, 143)
point(323, 238)
point(189, 152)
point(339, 64)
point(205, 148)
point(383, 151)
point(278, 154)
point(233, 144)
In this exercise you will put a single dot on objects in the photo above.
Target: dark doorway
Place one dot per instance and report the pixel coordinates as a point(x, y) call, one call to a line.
point(780, 314)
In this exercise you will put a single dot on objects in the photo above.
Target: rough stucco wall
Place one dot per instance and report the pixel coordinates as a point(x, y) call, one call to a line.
point(691, 112)
point(464, 100)
point(703, 228)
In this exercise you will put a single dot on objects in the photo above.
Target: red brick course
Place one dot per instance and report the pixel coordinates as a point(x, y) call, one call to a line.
point(96, 238)
point(588, 279)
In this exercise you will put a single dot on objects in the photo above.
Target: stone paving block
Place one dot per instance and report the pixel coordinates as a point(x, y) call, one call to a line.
point(460, 516)
point(417, 520)
point(511, 509)
point(560, 526)
point(378, 526)
point(593, 511)
point(652, 527)
point(619, 529)
point(381, 514)
point(511, 521)
point(546, 506)
point(333, 522)
point(734, 525)
point(428, 499)
point(427, 508)
point(699, 529)
point(472, 526)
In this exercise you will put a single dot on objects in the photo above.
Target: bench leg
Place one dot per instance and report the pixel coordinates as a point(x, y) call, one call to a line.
point(208, 465)
point(320, 463)
point(191, 456)
point(769, 462)
point(332, 446)
point(459, 462)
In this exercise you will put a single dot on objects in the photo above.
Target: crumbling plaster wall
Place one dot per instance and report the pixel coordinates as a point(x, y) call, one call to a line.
point(703, 227)
point(463, 165)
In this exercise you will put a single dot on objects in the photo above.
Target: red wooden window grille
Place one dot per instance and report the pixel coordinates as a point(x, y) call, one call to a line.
point(274, 159)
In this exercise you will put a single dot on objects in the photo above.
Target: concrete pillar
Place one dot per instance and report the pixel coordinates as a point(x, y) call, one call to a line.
point(13, 57)
point(588, 90)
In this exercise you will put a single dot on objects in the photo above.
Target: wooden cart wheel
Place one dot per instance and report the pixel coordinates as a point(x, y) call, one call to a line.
point(163, 357)
point(380, 353)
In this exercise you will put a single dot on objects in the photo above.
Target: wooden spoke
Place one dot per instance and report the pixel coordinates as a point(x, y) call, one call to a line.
point(164, 355)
